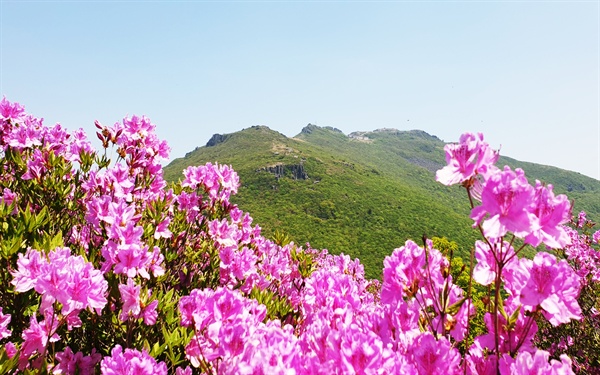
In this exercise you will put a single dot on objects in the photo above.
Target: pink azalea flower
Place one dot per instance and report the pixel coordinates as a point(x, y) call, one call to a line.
point(4, 320)
point(68, 279)
point(486, 268)
point(131, 361)
point(149, 313)
point(162, 229)
point(360, 353)
point(537, 363)
point(505, 198)
point(38, 335)
point(13, 111)
point(402, 272)
point(552, 286)
point(470, 157)
point(70, 363)
point(431, 356)
point(479, 362)
point(518, 337)
point(10, 349)
point(130, 296)
point(551, 212)
point(29, 268)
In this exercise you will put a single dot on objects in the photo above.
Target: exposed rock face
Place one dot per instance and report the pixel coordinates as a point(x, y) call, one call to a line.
point(295, 171)
point(308, 129)
point(216, 139)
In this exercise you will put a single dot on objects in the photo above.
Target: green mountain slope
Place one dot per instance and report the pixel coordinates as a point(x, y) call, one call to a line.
point(362, 194)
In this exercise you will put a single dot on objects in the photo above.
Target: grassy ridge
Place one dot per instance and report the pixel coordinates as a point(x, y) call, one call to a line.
point(363, 196)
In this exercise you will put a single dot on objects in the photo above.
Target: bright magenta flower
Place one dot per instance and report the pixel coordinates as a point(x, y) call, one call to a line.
point(38, 335)
point(487, 260)
point(537, 363)
point(552, 286)
point(470, 157)
point(505, 199)
point(130, 296)
point(131, 362)
point(70, 363)
point(432, 357)
point(70, 280)
point(551, 212)
point(4, 320)
point(12, 111)
point(402, 272)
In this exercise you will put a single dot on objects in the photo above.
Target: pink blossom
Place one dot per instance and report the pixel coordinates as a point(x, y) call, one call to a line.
point(13, 111)
point(222, 319)
point(552, 286)
point(38, 335)
point(550, 213)
point(36, 166)
point(70, 363)
point(218, 181)
point(471, 156)
point(513, 338)
point(506, 198)
point(479, 362)
point(130, 296)
point(4, 320)
point(431, 356)
point(581, 219)
point(29, 268)
point(130, 362)
point(10, 349)
point(136, 307)
point(402, 272)
point(27, 134)
point(360, 353)
point(149, 313)
point(537, 363)
point(162, 229)
point(68, 279)
point(487, 260)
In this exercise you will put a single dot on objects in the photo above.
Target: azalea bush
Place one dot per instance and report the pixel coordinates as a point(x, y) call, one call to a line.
point(579, 339)
point(111, 270)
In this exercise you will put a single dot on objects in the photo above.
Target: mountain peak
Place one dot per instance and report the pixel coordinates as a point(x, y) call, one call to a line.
point(308, 129)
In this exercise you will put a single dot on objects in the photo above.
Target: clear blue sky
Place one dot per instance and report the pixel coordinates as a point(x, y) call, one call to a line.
point(523, 73)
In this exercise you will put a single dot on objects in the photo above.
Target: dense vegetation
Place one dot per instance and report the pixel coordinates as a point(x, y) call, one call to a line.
point(364, 194)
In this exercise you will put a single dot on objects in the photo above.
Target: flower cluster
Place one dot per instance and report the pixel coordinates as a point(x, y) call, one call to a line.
point(155, 280)
point(63, 278)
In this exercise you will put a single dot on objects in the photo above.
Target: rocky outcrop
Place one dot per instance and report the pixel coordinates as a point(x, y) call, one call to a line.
point(216, 139)
point(308, 129)
point(294, 171)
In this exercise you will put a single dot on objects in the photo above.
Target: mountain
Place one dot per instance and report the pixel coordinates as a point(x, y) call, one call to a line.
point(363, 194)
